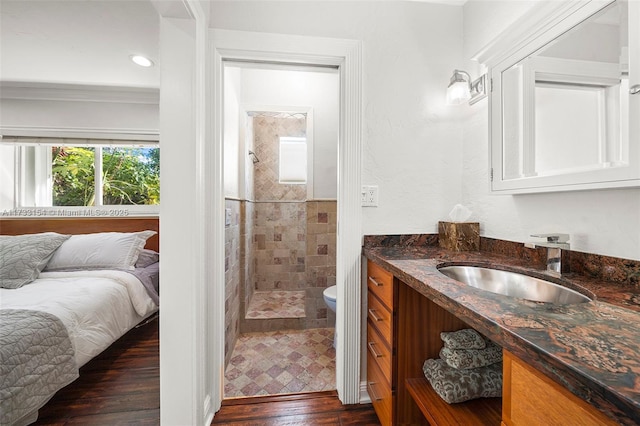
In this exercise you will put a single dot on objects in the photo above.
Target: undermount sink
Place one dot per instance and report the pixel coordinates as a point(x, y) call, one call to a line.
point(514, 284)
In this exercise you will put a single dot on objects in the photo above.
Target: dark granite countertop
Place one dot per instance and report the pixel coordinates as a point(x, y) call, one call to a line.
point(593, 349)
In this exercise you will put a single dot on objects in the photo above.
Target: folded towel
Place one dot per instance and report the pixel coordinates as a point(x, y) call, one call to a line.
point(465, 359)
point(467, 338)
point(453, 385)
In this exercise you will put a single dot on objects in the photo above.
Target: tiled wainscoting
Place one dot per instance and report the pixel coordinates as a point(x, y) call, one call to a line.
point(234, 271)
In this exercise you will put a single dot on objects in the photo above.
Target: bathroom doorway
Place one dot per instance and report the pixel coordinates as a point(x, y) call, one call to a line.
point(280, 174)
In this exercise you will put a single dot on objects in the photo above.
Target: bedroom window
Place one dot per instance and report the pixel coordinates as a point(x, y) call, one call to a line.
point(293, 160)
point(87, 175)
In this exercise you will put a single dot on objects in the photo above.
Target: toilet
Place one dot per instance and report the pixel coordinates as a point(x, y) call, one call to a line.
point(329, 294)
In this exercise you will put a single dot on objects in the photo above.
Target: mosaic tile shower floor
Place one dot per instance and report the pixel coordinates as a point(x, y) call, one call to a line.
point(277, 362)
point(276, 304)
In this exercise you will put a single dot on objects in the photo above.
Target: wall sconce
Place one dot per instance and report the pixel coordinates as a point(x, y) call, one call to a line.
point(461, 89)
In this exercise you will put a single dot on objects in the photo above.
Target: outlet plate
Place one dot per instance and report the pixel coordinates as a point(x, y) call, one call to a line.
point(227, 217)
point(369, 196)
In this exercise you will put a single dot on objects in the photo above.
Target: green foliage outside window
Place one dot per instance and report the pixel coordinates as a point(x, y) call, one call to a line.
point(129, 176)
point(73, 176)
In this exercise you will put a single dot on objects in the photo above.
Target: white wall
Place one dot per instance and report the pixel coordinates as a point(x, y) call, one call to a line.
point(604, 222)
point(232, 145)
point(412, 141)
point(317, 90)
point(181, 230)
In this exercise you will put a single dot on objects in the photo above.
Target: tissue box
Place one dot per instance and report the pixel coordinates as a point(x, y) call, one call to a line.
point(459, 236)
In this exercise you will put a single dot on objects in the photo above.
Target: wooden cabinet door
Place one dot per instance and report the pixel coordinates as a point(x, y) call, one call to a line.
point(529, 398)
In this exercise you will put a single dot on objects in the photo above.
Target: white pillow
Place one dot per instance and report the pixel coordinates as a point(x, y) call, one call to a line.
point(106, 250)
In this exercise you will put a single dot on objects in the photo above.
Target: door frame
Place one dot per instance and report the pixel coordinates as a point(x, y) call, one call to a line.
point(230, 45)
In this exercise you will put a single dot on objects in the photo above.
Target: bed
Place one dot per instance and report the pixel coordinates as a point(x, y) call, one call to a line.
point(93, 287)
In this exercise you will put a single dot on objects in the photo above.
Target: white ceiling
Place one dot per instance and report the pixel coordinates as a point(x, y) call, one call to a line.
point(84, 42)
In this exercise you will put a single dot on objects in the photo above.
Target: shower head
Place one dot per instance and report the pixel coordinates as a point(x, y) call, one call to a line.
point(254, 157)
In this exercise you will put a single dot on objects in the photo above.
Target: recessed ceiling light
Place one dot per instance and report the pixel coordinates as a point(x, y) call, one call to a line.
point(143, 61)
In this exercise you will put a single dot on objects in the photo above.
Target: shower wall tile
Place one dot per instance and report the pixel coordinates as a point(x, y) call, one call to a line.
point(266, 144)
point(233, 262)
point(287, 243)
point(248, 262)
point(292, 250)
point(320, 260)
point(279, 226)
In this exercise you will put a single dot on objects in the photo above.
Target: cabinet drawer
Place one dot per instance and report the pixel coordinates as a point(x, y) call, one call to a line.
point(380, 282)
point(380, 392)
point(379, 350)
point(380, 317)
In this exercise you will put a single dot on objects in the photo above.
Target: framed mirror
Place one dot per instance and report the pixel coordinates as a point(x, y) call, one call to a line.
point(564, 104)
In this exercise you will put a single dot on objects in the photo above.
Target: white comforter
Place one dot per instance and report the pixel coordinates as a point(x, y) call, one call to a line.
point(97, 307)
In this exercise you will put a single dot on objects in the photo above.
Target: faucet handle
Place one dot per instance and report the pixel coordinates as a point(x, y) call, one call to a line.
point(553, 238)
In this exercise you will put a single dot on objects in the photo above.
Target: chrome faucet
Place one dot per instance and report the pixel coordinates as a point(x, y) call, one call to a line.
point(554, 244)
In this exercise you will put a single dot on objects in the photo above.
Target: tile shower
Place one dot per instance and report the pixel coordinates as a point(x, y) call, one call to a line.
point(280, 248)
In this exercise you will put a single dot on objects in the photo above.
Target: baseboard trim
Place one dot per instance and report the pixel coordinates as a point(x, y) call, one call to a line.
point(364, 395)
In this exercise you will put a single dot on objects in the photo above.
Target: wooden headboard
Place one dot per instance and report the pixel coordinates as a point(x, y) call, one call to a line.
point(17, 226)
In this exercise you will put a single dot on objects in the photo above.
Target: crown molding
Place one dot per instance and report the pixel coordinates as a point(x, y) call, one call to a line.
point(78, 92)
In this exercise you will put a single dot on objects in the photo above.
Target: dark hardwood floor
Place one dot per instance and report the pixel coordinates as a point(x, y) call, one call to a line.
point(121, 386)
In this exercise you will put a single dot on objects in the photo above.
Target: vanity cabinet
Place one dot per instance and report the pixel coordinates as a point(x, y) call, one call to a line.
point(403, 330)
point(381, 363)
point(531, 398)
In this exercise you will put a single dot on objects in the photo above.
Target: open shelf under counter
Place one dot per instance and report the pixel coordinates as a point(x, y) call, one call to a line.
point(482, 411)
